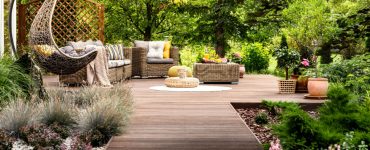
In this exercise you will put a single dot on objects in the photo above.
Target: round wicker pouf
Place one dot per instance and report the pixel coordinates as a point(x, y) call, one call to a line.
point(177, 82)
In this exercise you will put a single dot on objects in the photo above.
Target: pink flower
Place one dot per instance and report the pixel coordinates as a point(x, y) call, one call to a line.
point(237, 55)
point(305, 63)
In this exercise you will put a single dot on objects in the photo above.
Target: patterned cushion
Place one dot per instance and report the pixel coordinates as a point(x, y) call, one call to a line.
point(115, 52)
point(156, 49)
point(115, 63)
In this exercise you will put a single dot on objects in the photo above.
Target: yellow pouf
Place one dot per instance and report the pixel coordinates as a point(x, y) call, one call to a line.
point(172, 72)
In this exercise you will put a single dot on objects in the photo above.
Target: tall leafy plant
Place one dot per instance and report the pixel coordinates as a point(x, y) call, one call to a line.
point(286, 58)
point(14, 82)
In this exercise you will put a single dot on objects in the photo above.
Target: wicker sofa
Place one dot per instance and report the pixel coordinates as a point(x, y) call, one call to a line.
point(116, 72)
point(144, 67)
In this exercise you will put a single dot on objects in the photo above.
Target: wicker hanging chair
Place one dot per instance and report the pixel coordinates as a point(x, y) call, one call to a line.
point(48, 54)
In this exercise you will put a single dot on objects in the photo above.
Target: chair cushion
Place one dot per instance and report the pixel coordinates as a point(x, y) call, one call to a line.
point(127, 61)
point(159, 61)
point(166, 49)
point(156, 49)
point(115, 52)
point(115, 63)
point(142, 44)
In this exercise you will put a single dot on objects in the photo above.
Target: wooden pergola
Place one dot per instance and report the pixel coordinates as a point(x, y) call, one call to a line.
point(73, 20)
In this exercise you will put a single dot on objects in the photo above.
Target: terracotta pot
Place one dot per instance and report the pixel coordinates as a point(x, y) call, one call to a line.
point(241, 71)
point(318, 87)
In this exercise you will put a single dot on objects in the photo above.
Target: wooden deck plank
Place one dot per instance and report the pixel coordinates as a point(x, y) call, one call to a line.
point(195, 120)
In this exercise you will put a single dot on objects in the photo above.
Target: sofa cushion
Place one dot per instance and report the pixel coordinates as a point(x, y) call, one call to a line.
point(142, 44)
point(159, 61)
point(166, 49)
point(127, 61)
point(115, 63)
point(155, 49)
point(115, 52)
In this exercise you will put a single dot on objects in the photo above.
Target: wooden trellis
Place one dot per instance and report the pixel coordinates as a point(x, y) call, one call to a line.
point(73, 20)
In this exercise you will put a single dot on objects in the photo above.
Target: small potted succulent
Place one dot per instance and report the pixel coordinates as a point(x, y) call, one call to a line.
point(237, 58)
point(287, 58)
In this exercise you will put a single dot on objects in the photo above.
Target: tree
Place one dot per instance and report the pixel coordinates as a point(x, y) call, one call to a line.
point(140, 19)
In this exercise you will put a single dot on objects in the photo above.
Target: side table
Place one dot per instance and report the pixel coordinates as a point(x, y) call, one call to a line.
point(211, 72)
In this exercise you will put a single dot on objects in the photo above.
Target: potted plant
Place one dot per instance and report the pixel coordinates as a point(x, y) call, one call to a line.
point(237, 58)
point(302, 80)
point(317, 87)
point(287, 58)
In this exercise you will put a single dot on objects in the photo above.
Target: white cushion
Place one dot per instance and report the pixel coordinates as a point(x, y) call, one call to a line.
point(156, 49)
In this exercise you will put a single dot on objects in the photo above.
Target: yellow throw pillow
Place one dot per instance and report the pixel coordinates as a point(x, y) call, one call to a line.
point(44, 50)
point(166, 50)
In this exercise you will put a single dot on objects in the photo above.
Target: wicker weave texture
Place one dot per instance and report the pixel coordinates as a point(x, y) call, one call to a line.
point(177, 82)
point(287, 86)
point(114, 74)
point(143, 69)
point(41, 34)
point(216, 72)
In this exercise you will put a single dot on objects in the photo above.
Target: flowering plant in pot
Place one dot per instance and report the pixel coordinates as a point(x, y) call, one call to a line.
point(302, 80)
point(287, 58)
point(317, 86)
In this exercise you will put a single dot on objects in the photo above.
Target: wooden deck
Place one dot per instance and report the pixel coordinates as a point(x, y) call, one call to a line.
point(195, 120)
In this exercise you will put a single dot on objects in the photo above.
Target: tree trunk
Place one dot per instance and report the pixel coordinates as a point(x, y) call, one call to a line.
point(286, 73)
point(220, 32)
point(148, 28)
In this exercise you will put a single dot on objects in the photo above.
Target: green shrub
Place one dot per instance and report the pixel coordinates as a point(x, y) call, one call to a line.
point(14, 83)
point(16, 115)
point(261, 118)
point(298, 130)
point(256, 57)
point(353, 73)
point(277, 108)
point(287, 58)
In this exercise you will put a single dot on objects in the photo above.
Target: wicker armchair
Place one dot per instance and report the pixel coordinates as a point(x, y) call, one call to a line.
point(115, 74)
point(141, 67)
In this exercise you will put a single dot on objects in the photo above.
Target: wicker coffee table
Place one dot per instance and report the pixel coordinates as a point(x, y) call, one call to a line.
point(210, 72)
point(177, 82)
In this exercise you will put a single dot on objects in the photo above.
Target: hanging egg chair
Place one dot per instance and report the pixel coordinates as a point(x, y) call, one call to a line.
point(48, 55)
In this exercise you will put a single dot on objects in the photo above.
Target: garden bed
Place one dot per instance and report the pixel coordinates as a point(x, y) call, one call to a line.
point(263, 132)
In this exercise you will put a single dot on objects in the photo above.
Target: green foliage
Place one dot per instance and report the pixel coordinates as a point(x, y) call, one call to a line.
point(14, 83)
point(261, 118)
point(276, 108)
point(287, 58)
point(298, 130)
point(368, 44)
point(256, 57)
point(284, 42)
point(353, 73)
point(338, 117)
